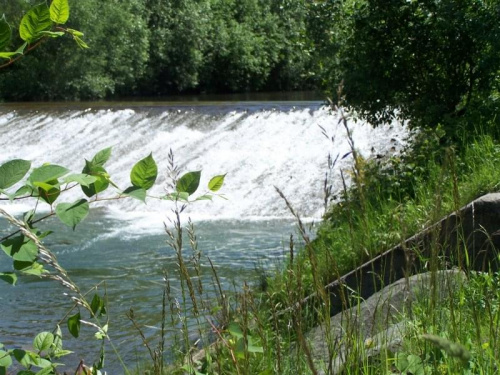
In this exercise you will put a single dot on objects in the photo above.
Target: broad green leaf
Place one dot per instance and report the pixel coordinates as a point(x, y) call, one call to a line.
point(72, 213)
point(49, 192)
point(23, 191)
point(144, 173)
point(43, 341)
point(80, 178)
point(5, 33)
point(216, 183)
point(97, 305)
point(235, 330)
point(36, 20)
point(136, 192)
point(52, 34)
point(5, 359)
point(20, 265)
point(41, 362)
point(12, 172)
point(59, 11)
point(101, 182)
point(80, 42)
point(253, 346)
point(47, 186)
point(35, 269)
point(23, 357)
point(189, 182)
point(101, 157)
point(20, 248)
point(74, 325)
point(47, 370)
point(47, 173)
point(8, 277)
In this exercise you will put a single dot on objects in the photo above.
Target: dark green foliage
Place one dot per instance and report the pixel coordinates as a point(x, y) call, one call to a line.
point(428, 61)
point(118, 37)
point(159, 47)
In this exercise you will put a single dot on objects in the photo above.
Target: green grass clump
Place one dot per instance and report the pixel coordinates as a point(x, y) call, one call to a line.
point(394, 200)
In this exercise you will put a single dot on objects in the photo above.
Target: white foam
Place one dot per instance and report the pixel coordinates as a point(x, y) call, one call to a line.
point(257, 149)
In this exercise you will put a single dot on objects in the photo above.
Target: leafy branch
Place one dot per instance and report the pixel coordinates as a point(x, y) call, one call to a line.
point(38, 25)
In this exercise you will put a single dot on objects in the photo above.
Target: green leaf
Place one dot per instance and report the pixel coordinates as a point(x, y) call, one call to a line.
point(177, 197)
point(74, 325)
point(46, 185)
point(13, 171)
point(235, 330)
point(80, 42)
point(9, 55)
point(47, 173)
point(80, 178)
point(52, 34)
point(35, 269)
point(216, 183)
point(101, 157)
point(189, 182)
point(8, 277)
point(48, 368)
point(59, 11)
point(206, 197)
point(20, 248)
point(5, 33)
point(97, 305)
point(74, 32)
point(136, 192)
point(72, 213)
point(49, 191)
point(5, 359)
point(22, 357)
point(144, 173)
point(21, 49)
point(253, 346)
point(23, 191)
point(36, 20)
point(61, 352)
point(43, 341)
point(101, 182)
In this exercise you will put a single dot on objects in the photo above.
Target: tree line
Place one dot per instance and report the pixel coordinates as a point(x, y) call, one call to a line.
point(427, 61)
point(161, 47)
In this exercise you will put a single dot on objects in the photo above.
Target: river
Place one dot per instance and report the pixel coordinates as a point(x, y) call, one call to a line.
point(258, 145)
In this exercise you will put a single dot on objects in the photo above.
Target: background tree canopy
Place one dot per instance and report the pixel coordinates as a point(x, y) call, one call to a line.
point(159, 47)
point(425, 60)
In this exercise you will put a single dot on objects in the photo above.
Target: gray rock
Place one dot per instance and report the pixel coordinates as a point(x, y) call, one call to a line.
point(378, 323)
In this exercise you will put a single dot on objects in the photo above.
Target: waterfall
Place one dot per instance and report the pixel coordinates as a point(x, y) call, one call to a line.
point(258, 146)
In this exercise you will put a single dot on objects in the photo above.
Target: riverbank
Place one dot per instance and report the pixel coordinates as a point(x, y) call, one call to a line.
point(392, 202)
